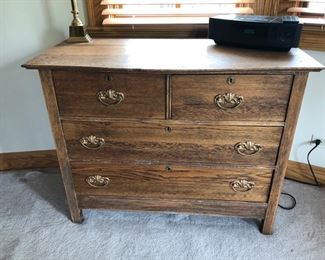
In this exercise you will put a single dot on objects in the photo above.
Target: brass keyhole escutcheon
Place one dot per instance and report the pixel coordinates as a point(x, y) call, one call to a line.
point(231, 80)
point(168, 129)
point(168, 168)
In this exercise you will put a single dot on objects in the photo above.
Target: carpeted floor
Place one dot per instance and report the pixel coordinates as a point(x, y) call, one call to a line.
point(34, 225)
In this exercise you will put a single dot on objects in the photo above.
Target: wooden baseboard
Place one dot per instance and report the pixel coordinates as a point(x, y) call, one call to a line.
point(300, 172)
point(47, 159)
point(28, 160)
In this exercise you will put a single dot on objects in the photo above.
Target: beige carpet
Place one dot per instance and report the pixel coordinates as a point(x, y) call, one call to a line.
point(33, 225)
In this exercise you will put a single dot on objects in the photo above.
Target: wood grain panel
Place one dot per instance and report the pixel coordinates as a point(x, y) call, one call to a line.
point(172, 181)
point(144, 95)
point(167, 141)
point(208, 207)
point(265, 97)
point(177, 122)
point(170, 56)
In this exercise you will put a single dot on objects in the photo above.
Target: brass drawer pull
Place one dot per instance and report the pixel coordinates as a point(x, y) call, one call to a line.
point(242, 185)
point(110, 97)
point(92, 142)
point(228, 101)
point(247, 148)
point(97, 181)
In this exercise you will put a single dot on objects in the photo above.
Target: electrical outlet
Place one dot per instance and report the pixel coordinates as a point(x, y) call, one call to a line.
point(313, 138)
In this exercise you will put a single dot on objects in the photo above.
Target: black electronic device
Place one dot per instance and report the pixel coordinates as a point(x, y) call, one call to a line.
point(279, 33)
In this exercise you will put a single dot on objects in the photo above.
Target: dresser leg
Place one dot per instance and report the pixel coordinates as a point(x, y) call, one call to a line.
point(266, 227)
point(77, 217)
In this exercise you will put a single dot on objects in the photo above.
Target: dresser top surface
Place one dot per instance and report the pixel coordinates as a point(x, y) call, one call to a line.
point(169, 55)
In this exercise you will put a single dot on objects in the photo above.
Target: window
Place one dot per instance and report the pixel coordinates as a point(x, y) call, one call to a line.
point(133, 12)
point(189, 18)
point(159, 18)
point(309, 11)
point(312, 14)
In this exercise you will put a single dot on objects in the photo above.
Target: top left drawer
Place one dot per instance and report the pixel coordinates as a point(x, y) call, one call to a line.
point(110, 95)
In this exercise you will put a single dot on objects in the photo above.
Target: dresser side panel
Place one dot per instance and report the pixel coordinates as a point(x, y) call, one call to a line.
point(297, 93)
point(51, 103)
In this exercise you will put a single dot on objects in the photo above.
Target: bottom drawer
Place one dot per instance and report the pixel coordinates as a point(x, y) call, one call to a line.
point(172, 182)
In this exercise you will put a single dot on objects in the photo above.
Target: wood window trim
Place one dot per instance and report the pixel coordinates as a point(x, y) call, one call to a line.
point(313, 36)
point(150, 31)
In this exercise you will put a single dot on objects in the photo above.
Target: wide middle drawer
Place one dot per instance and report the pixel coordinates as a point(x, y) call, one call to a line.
point(171, 141)
point(110, 95)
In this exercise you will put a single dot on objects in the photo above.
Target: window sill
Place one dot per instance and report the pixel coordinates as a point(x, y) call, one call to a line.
point(313, 36)
point(150, 31)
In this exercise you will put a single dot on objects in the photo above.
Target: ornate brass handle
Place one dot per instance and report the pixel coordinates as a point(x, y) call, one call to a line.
point(242, 185)
point(97, 181)
point(247, 148)
point(92, 142)
point(110, 97)
point(228, 101)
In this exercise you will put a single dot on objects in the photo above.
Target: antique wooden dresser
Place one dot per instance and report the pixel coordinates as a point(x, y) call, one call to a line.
point(173, 125)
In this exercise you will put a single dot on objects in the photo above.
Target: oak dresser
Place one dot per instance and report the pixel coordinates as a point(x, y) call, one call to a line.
point(173, 125)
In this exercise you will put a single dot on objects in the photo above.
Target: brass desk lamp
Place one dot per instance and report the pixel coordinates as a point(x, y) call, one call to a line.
point(77, 32)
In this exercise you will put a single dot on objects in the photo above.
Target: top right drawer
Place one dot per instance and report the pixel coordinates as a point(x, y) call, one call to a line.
point(230, 97)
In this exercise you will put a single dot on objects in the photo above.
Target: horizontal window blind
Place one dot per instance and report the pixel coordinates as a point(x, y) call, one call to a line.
point(118, 12)
point(309, 11)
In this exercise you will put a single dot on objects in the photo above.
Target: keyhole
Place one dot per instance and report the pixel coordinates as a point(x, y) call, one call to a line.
point(109, 77)
point(231, 80)
point(168, 129)
point(168, 168)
